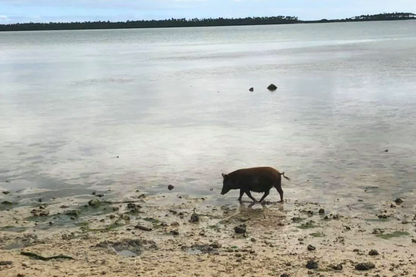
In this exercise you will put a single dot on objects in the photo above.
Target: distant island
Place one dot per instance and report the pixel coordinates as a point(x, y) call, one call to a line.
point(206, 22)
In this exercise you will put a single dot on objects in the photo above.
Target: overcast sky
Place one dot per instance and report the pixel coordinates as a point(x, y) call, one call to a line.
point(12, 11)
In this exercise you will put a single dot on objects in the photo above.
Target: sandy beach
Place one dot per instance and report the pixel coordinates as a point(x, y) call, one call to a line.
point(177, 235)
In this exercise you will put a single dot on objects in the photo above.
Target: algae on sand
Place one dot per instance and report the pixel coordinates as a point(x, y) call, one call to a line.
point(393, 235)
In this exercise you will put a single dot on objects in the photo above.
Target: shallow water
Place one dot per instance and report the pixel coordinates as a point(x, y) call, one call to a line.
point(174, 105)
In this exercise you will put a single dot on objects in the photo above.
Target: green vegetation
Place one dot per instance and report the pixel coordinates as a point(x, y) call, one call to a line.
point(317, 235)
point(195, 22)
point(393, 235)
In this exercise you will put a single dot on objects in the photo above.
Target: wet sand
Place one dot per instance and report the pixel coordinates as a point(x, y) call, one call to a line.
point(145, 235)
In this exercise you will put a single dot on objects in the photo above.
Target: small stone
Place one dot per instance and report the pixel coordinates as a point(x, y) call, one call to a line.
point(50, 223)
point(194, 218)
point(311, 264)
point(171, 187)
point(6, 262)
point(215, 245)
point(143, 228)
point(337, 267)
point(414, 240)
point(174, 232)
point(253, 240)
point(365, 266)
point(386, 150)
point(326, 217)
point(321, 211)
point(285, 275)
point(240, 229)
point(94, 203)
point(272, 87)
point(311, 247)
point(398, 201)
point(373, 252)
point(40, 200)
point(6, 192)
point(251, 89)
point(93, 193)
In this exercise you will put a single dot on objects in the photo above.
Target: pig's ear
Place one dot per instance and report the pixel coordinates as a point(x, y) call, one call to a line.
point(224, 175)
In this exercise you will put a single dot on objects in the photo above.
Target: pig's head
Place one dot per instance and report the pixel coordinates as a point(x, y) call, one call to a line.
point(227, 184)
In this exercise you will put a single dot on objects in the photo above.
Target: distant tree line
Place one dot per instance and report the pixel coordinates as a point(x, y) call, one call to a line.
point(195, 22)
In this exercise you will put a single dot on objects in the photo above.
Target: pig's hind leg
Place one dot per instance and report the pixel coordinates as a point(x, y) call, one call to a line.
point(278, 186)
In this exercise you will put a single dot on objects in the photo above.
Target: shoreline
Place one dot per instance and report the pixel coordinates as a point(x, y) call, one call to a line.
point(178, 235)
point(196, 26)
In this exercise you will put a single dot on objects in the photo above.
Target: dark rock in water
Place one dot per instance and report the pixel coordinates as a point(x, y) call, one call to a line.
point(7, 203)
point(386, 150)
point(398, 201)
point(373, 252)
point(133, 206)
point(40, 200)
point(414, 240)
point(6, 262)
point(8, 181)
point(311, 248)
point(42, 207)
point(336, 267)
point(93, 193)
point(171, 187)
point(365, 266)
point(311, 264)
point(94, 203)
point(251, 89)
point(73, 213)
point(272, 87)
point(39, 212)
point(174, 232)
point(100, 195)
point(194, 218)
point(321, 211)
point(6, 192)
point(240, 229)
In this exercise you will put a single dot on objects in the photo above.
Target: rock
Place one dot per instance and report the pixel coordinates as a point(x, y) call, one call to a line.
point(240, 229)
point(398, 201)
point(40, 200)
point(311, 264)
point(386, 150)
point(93, 193)
point(272, 87)
point(215, 245)
point(365, 266)
point(326, 217)
point(6, 262)
point(251, 89)
point(100, 195)
point(50, 223)
point(336, 267)
point(414, 240)
point(94, 203)
point(171, 187)
point(311, 247)
point(321, 211)
point(174, 232)
point(285, 275)
point(373, 252)
point(73, 213)
point(253, 240)
point(7, 203)
point(133, 206)
point(6, 192)
point(194, 218)
point(39, 212)
point(144, 228)
point(64, 207)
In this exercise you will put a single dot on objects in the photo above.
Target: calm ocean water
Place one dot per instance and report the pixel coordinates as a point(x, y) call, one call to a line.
point(174, 105)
